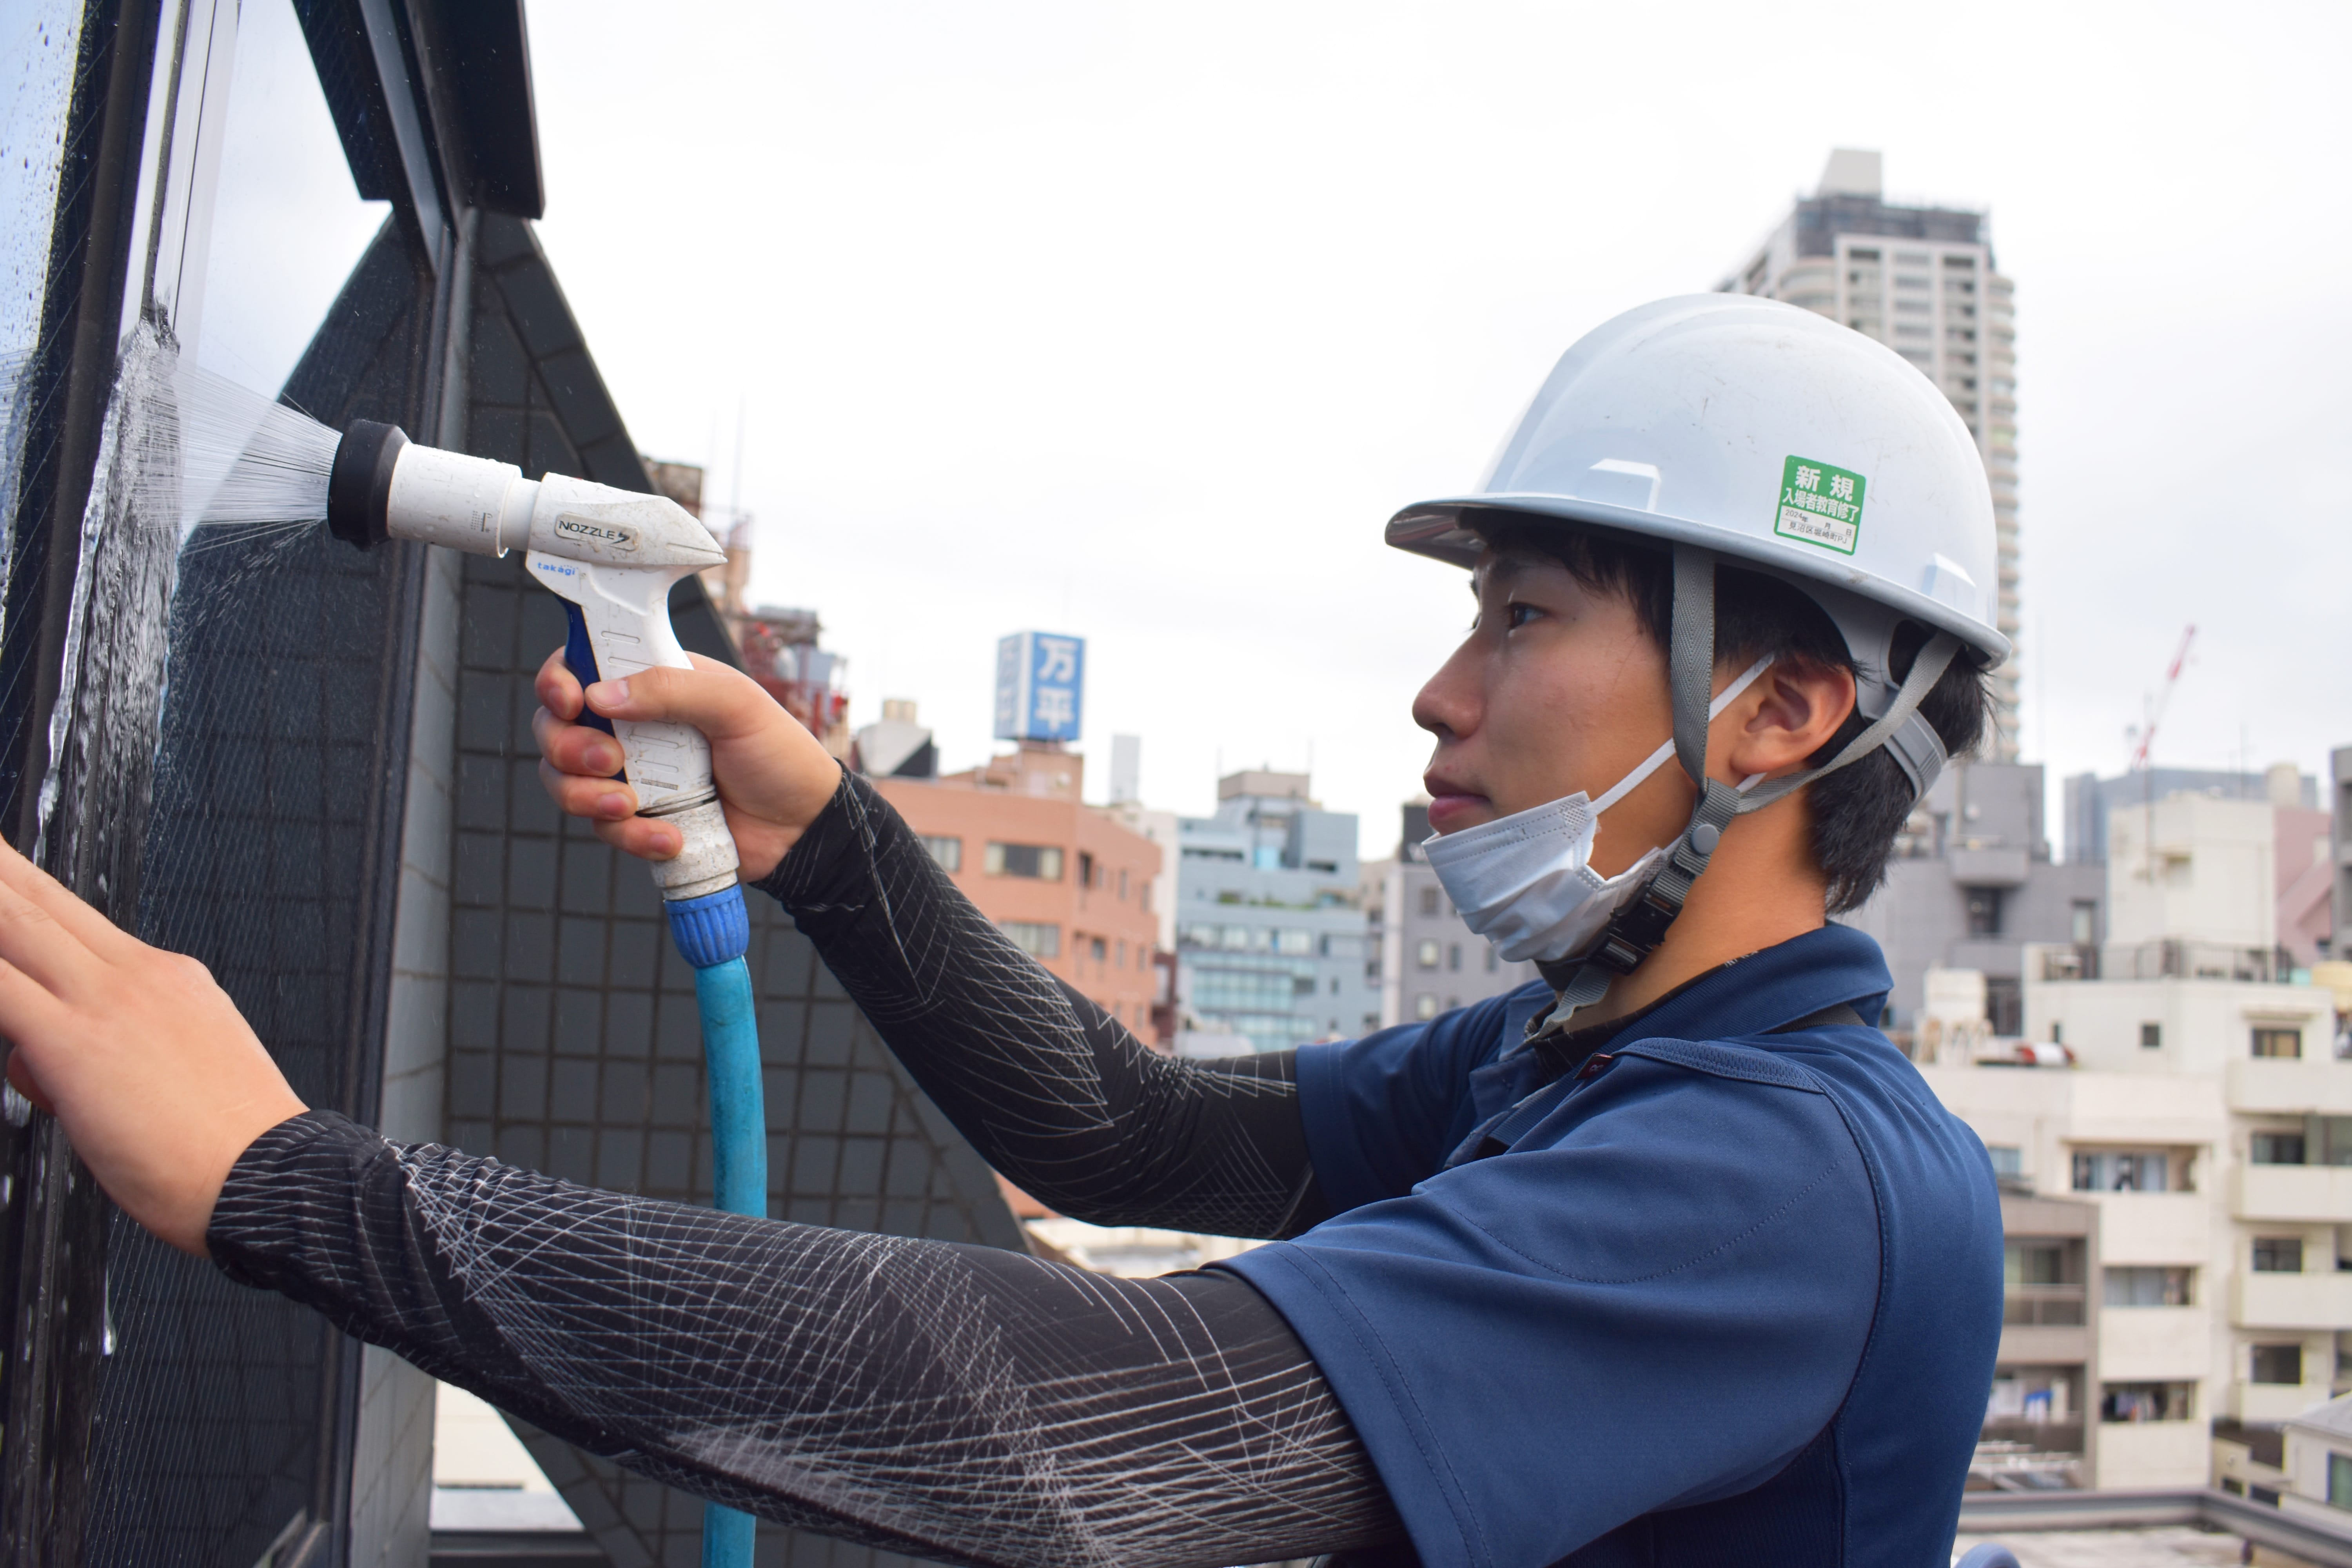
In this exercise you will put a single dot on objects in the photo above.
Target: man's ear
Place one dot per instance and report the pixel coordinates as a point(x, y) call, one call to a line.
point(1794, 710)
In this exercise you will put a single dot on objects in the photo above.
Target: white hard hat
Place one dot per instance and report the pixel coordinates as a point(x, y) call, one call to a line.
point(1725, 427)
point(1772, 436)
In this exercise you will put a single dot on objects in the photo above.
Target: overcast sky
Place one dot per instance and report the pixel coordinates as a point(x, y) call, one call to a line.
point(1136, 322)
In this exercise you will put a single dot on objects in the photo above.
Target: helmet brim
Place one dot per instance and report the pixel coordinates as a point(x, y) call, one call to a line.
point(1447, 530)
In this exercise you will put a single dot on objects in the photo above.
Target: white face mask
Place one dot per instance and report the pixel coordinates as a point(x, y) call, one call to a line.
point(1525, 882)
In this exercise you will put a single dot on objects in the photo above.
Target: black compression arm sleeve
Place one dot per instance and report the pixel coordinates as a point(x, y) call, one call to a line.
point(1051, 1089)
point(959, 1404)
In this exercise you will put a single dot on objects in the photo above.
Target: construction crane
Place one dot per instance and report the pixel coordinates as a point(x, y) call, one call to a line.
point(2163, 699)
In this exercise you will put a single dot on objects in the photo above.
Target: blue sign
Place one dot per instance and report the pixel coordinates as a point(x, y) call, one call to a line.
point(1040, 687)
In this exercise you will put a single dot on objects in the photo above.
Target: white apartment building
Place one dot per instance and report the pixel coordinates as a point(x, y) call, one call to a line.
point(2208, 1118)
point(1920, 280)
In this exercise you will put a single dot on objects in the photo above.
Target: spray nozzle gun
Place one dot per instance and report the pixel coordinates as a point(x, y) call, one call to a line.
point(611, 555)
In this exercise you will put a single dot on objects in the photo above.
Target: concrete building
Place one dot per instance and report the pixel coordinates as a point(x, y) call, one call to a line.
point(2089, 799)
point(1921, 281)
point(1423, 959)
point(1270, 939)
point(1971, 882)
point(2209, 1122)
point(895, 745)
point(2339, 847)
point(1067, 882)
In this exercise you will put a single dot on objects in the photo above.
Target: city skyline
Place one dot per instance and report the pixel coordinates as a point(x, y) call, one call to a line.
point(1111, 325)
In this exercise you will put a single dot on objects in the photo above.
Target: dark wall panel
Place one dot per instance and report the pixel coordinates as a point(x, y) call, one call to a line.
point(275, 799)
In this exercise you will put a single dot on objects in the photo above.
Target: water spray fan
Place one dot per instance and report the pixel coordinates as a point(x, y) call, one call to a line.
point(611, 555)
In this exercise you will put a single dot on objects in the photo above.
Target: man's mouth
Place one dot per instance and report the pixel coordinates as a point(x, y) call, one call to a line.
point(1453, 806)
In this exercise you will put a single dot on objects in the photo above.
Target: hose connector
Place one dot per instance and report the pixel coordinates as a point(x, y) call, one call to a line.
point(712, 929)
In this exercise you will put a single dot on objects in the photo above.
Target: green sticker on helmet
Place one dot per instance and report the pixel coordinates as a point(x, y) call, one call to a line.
point(1821, 503)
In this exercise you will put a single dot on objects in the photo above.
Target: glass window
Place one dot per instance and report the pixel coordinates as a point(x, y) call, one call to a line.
point(2339, 1479)
point(1426, 955)
point(2142, 1287)
point(1453, 956)
point(1100, 950)
point(1038, 939)
point(2278, 1363)
point(2086, 923)
point(2151, 1036)
point(1984, 911)
point(1425, 1007)
point(2122, 1170)
point(1294, 943)
point(1429, 900)
point(2148, 1401)
point(1042, 861)
point(2272, 1042)
point(948, 852)
point(1086, 869)
point(2007, 1159)
point(2279, 1255)
point(2277, 1149)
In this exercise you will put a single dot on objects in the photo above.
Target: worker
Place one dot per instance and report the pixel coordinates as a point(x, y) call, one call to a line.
point(1670, 1258)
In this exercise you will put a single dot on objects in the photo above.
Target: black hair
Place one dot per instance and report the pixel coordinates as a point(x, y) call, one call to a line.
point(1857, 811)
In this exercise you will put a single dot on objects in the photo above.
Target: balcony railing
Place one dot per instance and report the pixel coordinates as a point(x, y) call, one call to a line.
point(2313, 1195)
point(2041, 1306)
point(2264, 1300)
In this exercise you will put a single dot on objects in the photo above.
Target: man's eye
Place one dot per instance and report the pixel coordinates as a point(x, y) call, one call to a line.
point(1518, 615)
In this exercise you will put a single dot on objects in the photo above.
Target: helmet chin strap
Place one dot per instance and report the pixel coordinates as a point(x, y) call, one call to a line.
point(1638, 928)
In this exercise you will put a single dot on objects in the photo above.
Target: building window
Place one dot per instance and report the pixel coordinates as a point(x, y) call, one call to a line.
point(1429, 901)
point(2008, 1161)
point(2086, 923)
point(1493, 962)
point(1426, 955)
point(2148, 1401)
point(2278, 1363)
point(2278, 1149)
point(2140, 1287)
point(2151, 1036)
point(1425, 1007)
point(1038, 939)
point(2118, 1170)
point(1984, 911)
point(2041, 1283)
point(2005, 1005)
point(1043, 861)
point(1101, 950)
point(2278, 1042)
point(1453, 956)
point(2339, 1479)
point(1086, 868)
point(1123, 882)
point(948, 852)
point(2279, 1255)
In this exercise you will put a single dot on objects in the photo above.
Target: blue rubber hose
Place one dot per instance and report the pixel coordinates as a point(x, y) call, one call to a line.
point(714, 933)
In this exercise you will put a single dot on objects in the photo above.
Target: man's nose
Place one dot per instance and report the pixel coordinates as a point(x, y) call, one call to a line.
point(1448, 705)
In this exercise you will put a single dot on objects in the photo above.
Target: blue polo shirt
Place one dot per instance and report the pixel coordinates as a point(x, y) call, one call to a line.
point(1723, 1295)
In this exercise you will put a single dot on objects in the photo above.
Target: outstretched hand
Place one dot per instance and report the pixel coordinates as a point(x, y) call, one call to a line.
point(158, 1080)
point(773, 776)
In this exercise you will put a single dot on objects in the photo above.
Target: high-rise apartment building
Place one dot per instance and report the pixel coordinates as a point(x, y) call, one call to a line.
point(1922, 281)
